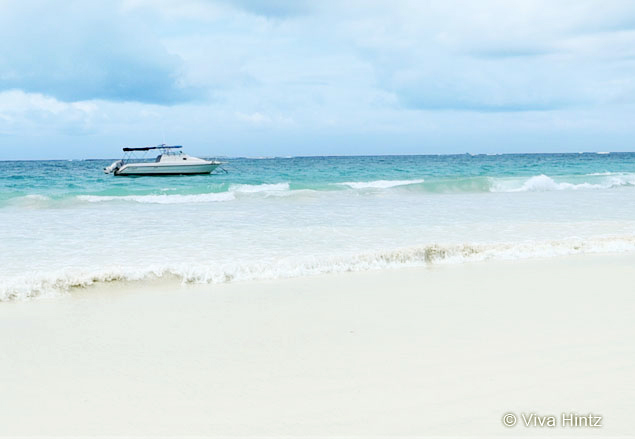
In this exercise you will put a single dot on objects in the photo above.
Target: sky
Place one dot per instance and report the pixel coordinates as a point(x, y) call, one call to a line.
point(82, 79)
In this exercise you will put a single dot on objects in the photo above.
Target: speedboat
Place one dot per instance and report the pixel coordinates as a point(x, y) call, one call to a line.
point(170, 161)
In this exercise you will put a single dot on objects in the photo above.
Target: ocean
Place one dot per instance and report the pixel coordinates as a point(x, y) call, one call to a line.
point(66, 224)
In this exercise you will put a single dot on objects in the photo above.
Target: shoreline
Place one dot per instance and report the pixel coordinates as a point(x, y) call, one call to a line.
point(64, 282)
point(443, 350)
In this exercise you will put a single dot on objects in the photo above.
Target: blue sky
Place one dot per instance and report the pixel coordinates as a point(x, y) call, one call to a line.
point(82, 79)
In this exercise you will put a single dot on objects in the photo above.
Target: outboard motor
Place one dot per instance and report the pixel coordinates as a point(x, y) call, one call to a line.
point(112, 168)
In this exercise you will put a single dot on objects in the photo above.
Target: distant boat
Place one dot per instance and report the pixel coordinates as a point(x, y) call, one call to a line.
point(170, 161)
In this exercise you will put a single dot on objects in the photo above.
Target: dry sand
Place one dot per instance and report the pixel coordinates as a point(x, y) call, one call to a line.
point(443, 351)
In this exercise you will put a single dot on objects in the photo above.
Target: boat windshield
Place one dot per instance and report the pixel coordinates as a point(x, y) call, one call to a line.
point(159, 158)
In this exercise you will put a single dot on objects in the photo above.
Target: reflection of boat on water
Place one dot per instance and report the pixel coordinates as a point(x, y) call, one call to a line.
point(171, 161)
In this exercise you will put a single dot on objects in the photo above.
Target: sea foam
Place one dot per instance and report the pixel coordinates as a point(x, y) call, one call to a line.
point(255, 188)
point(230, 194)
point(51, 284)
point(161, 199)
point(379, 184)
point(541, 183)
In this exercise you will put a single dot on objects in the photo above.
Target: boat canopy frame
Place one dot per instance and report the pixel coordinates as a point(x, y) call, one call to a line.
point(131, 153)
point(148, 148)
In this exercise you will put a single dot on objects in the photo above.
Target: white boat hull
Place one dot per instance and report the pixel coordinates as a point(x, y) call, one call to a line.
point(166, 169)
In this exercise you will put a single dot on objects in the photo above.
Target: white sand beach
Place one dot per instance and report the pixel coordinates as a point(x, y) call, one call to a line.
point(441, 351)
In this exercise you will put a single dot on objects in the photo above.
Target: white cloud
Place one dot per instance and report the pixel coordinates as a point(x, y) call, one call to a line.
point(86, 50)
point(22, 111)
point(316, 77)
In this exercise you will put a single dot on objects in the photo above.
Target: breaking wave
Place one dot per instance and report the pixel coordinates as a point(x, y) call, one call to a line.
point(537, 183)
point(255, 188)
point(540, 183)
point(379, 184)
point(229, 192)
point(161, 199)
point(52, 284)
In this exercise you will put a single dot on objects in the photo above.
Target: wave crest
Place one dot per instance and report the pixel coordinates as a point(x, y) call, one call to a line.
point(542, 183)
point(229, 192)
point(255, 188)
point(161, 199)
point(27, 287)
point(379, 184)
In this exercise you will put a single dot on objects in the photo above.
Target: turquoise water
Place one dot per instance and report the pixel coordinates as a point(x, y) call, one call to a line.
point(441, 174)
point(66, 224)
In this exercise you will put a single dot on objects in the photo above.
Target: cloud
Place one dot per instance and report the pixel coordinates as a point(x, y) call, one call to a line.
point(510, 52)
point(295, 77)
point(497, 56)
point(42, 115)
point(272, 8)
point(86, 50)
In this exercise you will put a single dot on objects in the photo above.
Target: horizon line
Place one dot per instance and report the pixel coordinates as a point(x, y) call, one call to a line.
point(348, 155)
